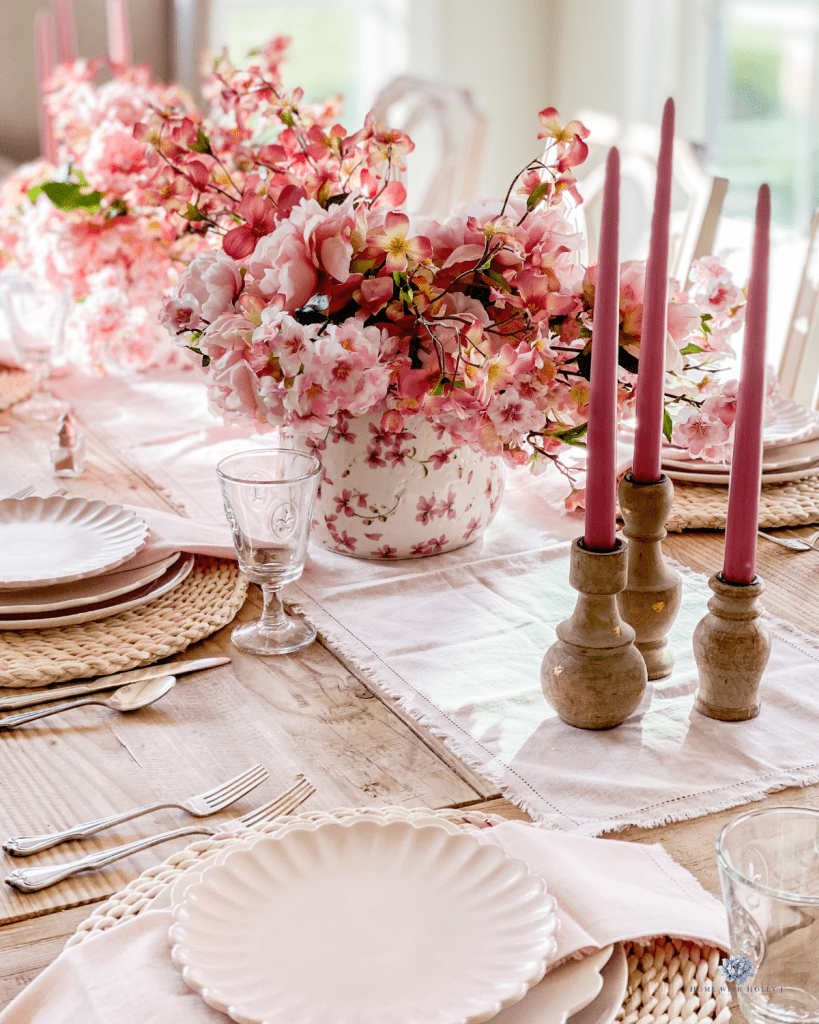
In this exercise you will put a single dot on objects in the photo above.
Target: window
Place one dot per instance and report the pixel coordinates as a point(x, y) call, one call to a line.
point(352, 47)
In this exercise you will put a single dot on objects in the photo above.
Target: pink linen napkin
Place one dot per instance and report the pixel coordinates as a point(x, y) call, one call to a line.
point(170, 533)
point(606, 891)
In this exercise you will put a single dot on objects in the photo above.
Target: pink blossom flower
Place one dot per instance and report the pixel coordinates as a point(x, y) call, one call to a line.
point(698, 432)
point(400, 249)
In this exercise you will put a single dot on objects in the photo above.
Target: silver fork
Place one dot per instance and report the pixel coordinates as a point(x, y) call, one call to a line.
point(791, 542)
point(199, 806)
point(23, 492)
point(35, 878)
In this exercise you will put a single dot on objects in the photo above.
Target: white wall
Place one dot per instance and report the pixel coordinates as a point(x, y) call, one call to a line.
point(504, 53)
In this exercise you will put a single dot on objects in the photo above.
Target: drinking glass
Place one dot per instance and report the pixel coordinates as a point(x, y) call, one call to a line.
point(268, 497)
point(36, 319)
point(769, 869)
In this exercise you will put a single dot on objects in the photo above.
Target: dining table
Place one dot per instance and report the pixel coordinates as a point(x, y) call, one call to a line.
point(312, 713)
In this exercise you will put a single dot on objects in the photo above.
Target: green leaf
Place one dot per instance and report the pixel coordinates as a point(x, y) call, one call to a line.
point(691, 349)
point(71, 197)
point(287, 118)
point(202, 144)
point(34, 192)
point(668, 426)
point(192, 213)
point(572, 435)
point(538, 192)
point(498, 279)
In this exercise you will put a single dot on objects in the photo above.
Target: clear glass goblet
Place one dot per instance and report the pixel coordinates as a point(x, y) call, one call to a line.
point(37, 323)
point(268, 497)
point(769, 869)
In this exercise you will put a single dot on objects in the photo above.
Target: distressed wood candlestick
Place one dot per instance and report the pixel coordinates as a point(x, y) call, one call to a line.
point(593, 675)
point(652, 597)
point(731, 647)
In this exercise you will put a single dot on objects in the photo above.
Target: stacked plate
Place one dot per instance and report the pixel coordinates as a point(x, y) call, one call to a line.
point(67, 560)
point(790, 451)
point(370, 922)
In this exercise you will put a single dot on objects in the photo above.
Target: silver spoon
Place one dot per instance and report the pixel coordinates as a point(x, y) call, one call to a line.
point(126, 698)
point(791, 542)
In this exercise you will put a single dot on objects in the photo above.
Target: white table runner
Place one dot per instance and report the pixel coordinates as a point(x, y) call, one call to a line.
point(458, 639)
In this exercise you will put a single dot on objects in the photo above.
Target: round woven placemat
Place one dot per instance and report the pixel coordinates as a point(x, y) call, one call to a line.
point(208, 599)
point(670, 981)
point(15, 385)
point(704, 507)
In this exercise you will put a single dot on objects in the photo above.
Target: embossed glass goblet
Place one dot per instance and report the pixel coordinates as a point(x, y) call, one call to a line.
point(268, 497)
point(37, 323)
point(769, 868)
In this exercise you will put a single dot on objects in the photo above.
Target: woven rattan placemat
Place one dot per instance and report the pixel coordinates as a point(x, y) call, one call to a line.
point(670, 981)
point(208, 599)
point(704, 507)
point(15, 385)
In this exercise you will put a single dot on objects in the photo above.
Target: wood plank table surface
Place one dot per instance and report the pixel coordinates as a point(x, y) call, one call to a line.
point(301, 713)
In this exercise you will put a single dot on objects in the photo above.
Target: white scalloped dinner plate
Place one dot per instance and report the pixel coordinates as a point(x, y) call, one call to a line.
point(82, 592)
point(57, 540)
point(364, 922)
point(91, 612)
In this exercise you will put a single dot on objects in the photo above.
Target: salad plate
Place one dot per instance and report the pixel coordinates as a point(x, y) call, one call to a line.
point(335, 922)
point(57, 540)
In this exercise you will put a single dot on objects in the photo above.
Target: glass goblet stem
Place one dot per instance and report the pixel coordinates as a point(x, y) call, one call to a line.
point(273, 619)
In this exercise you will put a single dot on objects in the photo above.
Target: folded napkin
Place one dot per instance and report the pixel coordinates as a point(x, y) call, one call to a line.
point(170, 533)
point(606, 890)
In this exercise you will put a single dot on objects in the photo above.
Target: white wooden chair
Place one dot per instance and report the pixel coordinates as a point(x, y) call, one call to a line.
point(698, 196)
point(418, 107)
point(799, 365)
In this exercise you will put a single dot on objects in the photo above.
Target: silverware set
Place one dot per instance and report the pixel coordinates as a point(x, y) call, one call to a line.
point(32, 879)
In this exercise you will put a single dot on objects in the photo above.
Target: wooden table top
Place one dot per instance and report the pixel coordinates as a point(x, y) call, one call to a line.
point(303, 712)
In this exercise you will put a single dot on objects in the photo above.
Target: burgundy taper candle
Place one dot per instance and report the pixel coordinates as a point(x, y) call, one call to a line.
point(63, 12)
point(651, 376)
point(44, 62)
point(600, 526)
point(739, 565)
point(119, 33)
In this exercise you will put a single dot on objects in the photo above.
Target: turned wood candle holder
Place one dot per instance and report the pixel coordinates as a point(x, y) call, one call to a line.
point(651, 599)
point(593, 675)
point(731, 647)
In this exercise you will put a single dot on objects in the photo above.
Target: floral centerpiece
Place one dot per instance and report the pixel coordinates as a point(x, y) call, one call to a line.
point(330, 312)
point(318, 305)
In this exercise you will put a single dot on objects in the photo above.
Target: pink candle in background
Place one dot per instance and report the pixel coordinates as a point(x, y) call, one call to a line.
point(44, 61)
point(600, 459)
point(746, 465)
point(119, 33)
point(66, 36)
point(651, 377)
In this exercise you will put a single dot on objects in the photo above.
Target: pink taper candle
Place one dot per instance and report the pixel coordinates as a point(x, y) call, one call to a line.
point(600, 458)
point(44, 60)
point(651, 376)
point(746, 465)
point(66, 36)
point(119, 33)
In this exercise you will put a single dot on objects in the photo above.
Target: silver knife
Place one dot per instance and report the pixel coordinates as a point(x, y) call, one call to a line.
point(137, 675)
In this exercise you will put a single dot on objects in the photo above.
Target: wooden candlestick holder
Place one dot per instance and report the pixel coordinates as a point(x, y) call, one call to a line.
point(652, 597)
point(593, 675)
point(731, 647)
